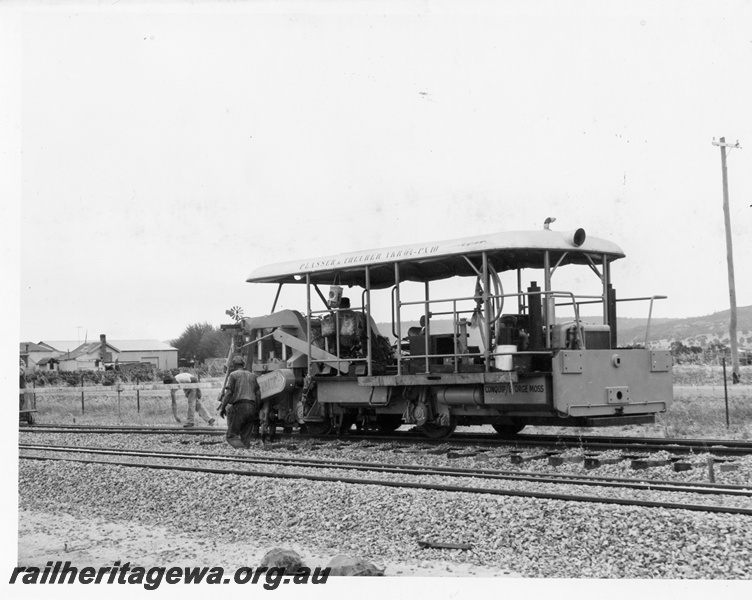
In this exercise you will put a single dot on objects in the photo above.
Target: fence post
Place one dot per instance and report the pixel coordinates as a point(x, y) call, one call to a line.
point(138, 397)
point(82, 394)
point(725, 391)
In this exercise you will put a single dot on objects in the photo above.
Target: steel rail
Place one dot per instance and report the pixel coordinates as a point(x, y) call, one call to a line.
point(122, 429)
point(719, 447)
point(726, 447)
point(411, 485)
point(491, 474)
point(466, 436)
point(605, 442)
point(177, 427)
point(602, 439)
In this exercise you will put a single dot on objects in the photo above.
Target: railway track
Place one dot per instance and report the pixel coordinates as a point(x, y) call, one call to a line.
point(130, 429)
point(593, 443)
point(408, 476)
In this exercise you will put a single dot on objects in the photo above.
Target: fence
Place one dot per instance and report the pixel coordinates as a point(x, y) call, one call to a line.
point(97, 396)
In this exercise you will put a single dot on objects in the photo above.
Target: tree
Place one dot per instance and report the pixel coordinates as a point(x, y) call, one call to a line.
point(677, 347)
point(214, 343)
point(200, 341)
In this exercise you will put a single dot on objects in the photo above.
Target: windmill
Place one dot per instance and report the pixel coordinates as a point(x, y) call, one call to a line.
point(235, 313)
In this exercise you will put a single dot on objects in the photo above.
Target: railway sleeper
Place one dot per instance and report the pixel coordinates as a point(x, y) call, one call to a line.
point(683, 465)
point(440, 451)
point(454, 454)
point(593, 462)
point(516, 457)
point(641, 463)
point(723, 465)
point(729, 467)
point(555, 460)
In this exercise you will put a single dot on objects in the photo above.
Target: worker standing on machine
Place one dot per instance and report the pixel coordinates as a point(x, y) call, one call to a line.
point(240, 404)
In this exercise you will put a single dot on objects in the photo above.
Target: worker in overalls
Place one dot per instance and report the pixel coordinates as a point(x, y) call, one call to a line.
point(240, 404)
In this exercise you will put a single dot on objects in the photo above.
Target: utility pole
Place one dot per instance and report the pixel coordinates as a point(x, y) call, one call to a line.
point(735, 372)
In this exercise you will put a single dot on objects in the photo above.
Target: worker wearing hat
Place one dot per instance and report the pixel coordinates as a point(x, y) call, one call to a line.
point(240, 404)
point(192, 394)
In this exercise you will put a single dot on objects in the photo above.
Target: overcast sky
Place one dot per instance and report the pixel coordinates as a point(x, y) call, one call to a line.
point(155, 153)
point(166, 151)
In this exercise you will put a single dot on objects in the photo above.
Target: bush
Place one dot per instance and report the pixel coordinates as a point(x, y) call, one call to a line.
point(75, 378)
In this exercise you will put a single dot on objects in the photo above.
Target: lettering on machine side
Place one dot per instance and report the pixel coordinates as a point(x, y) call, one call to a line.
point(533, 392)
point(367, 257)
point(272, 383)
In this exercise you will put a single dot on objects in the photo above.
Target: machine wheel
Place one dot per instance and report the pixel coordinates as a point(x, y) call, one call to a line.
point(511, 427)
point(314, 427)
point(388, 423)
point(436, 432)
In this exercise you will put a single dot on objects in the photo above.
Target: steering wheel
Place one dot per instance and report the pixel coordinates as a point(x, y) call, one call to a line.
point(497, 304)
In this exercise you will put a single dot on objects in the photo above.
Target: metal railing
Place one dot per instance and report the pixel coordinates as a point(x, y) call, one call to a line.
point(486, 354)
point(459, 354)
point(639, 299)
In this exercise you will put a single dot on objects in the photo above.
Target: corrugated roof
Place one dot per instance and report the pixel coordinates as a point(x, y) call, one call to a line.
point(140, 345)
point(32, 347)
point(91, 349)
point(95, 346)
point(117, 345)
point(63, 345)
point(71, 355)
point(47, 359)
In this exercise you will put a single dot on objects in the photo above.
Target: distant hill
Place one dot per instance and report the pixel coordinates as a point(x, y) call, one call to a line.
point(693, 331)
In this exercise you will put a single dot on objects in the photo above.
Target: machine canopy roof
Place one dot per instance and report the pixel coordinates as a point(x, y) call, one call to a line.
point(441, 260)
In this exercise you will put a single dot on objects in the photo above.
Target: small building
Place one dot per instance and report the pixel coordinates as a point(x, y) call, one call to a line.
point(33, 355)
point(159, 354)
point(88, 357)
point(73, 356)
point(48, 363)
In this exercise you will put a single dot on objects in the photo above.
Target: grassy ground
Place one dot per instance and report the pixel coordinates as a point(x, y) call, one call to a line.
point(151, 408)
point(699, 406)
point(694, 413)
point(701, 412)
point(708, 375)
point(698, 409)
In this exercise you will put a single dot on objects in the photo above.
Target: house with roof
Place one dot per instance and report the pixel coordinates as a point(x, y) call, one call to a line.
point(37, 357)
point(87, 357)
point(73, 356)
point(48, 363)
point(62, 345)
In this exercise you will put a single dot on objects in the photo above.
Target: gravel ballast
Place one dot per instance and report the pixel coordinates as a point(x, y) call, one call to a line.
point(531, 537)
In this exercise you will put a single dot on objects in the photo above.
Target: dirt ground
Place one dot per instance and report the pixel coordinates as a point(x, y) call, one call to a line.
point(46, 537)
